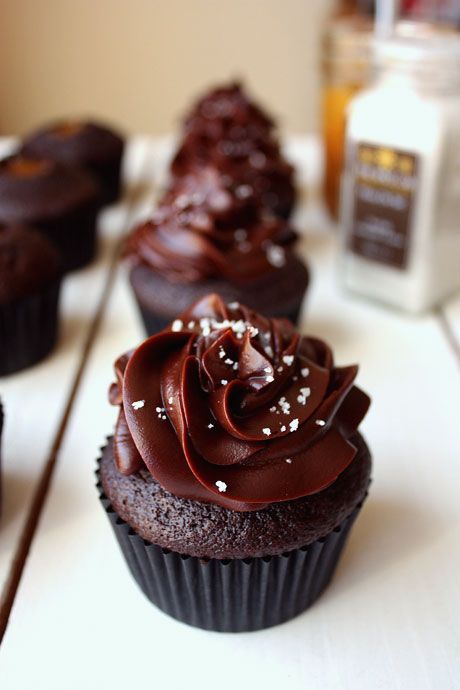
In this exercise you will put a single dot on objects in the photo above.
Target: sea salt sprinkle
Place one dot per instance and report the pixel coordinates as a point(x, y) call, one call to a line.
point(276, 256)
point(222, 486)
point(210, 425)
point(138, 404)
point(161, 412)
point(289, 461)
point(294, 424)
point(305, 371)
point(224, 382)
point(176, 325)
point(288, 359)
point(285, 405)
point(320, 422)
point(222, 352)
point(303, 395)
point(267, 431)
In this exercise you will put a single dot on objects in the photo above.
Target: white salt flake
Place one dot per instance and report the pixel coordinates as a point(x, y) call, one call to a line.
point(279, 370)
point(177, 325)
point(235, 305)
point(222, 486)
point(221, 352)
point(289, 461)
point(170, 401)
point(228, 361)
point(283, 428)
point(288, 359)
point(276, 256)
point(269, 379)
point(294, 424)
point(224, 382)
point(305, 371)
point(273, 409)
point(210, 426)
point(320, 422)
point(138, 404)
point(267, 431)
point(303, 395)
point(191, 324)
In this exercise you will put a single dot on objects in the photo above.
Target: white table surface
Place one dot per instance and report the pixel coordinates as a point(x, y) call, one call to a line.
point(391, 617)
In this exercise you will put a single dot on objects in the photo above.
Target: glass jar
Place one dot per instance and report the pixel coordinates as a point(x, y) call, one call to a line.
point(346, 70)
point(401, 186)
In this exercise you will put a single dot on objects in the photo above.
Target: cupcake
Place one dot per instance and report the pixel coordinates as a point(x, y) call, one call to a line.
point(59, 201)
point(226, 130)
point(236, 469)
point(30, 280)
point(210, 235)
point(88, 145)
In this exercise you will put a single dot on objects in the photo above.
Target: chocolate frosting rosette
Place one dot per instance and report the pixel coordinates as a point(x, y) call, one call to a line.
point(236, 439)
point(209, 234)
point(227, 130)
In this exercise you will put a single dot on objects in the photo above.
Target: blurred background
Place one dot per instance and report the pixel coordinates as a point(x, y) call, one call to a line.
point(139, 63)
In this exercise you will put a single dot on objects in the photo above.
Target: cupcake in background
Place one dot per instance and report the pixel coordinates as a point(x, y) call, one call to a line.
point(88, 145)
point(30, 280)
point(60, 201)
point(227, 130)
point(236, 469)
point(210, 235)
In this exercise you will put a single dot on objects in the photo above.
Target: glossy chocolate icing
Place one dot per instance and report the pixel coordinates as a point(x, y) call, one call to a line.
point(206, 227)
point(232, 408)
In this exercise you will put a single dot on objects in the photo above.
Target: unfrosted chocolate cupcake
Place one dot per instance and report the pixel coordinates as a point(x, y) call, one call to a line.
point(236, 469)
point(227, 130)
point(30, 280)
point(60, 201)
point(210, 235)
point(88, 145)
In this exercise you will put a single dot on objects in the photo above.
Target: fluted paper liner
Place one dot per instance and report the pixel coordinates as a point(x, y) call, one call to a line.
point(235, 595)
point(28, 329)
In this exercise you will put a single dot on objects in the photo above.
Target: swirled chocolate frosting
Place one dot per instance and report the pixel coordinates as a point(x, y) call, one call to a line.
point(205, 227)
point(233, 408)
point(228, 131)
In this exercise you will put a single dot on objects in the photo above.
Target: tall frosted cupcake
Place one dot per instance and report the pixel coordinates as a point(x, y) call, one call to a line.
point(236, 469)
point(210, 235)
point(60, 201)
point(30, 281)
point(89, 145)
point(227, 130)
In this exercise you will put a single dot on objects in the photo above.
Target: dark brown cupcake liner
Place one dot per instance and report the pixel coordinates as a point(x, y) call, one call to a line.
point(235, 595)
point(154, 323)
point(74, 236)
point(28, 329)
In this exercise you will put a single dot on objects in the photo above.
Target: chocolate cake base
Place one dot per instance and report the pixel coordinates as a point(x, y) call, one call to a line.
point(74, 236)
point(207, 530)
point(278, 295)
point(243, 592)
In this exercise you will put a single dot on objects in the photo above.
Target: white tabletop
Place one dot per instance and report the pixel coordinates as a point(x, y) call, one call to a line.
point(391, 617)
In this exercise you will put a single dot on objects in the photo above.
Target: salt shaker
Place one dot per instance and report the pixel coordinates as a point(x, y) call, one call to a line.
point(400, 204)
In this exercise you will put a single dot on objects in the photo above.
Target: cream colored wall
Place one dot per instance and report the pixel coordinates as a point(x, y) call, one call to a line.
point(139, 62)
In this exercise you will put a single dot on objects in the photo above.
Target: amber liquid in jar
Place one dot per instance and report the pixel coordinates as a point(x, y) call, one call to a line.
point(346, 70)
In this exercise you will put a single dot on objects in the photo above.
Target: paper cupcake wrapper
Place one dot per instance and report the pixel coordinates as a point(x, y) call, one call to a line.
point(237, 595)
point(74, 236)
point(28, 329)
point(154, 323)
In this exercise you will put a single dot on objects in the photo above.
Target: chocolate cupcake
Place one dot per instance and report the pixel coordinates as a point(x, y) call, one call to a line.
point(30, 280)
point(236, 469)
point(59, 201)
point(87, 145)
point(210, 235)
point(228, 131)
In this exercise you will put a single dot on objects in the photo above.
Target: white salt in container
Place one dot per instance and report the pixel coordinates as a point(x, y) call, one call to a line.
point(400, 207)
